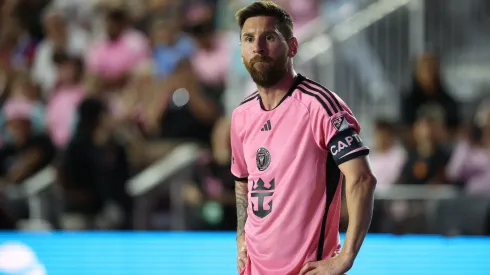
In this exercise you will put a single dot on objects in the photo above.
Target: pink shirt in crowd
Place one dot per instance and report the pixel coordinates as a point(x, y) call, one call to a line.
point(113, 59)
point(471, 164)
point(387, 166)
point(212, 67)
point(290, 157)
point(60, 113)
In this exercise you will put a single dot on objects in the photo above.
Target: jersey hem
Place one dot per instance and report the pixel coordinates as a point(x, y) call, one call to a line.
point(240, 179)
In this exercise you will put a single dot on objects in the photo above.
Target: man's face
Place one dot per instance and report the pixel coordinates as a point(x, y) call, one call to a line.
point(114, 28)
point(55, 28)
point(265, 51)
point(383, 138)
point(424, 129)
point(9, 30)
point(427, 70)
point(165, 32)
point(67, 72)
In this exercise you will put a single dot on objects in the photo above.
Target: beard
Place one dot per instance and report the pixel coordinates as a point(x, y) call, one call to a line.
point(269, 76)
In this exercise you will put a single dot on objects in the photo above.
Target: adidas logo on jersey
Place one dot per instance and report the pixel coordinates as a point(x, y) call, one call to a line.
point(267, 126)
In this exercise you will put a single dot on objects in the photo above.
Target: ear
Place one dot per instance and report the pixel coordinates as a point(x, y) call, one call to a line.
point(293, 47)
point(242, 59)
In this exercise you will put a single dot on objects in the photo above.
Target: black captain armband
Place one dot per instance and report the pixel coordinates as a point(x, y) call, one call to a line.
point(347, 145)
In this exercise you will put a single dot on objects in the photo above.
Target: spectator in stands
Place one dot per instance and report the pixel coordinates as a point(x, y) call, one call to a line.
point(426, 159)
point(111, 59)
point(301, 11)
point(130, 115)
point(60, 36)
point(136, 95)
point(17, 48)
point(94, 169)
point(388, 156)
point(65, 98)
point(428, 88)
point(183, 109)
point(22, 87)
point(171, 47)
point(212, 59)
point(79, 12)
point(27, 152)
point(470, 162)
point(29, 13)
point(23, 90)
point(150, 9)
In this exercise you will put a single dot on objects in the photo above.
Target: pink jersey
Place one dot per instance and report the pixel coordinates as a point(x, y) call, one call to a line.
point(290, 156)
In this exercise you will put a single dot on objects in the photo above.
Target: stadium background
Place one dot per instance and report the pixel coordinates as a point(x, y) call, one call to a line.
point(114, 153)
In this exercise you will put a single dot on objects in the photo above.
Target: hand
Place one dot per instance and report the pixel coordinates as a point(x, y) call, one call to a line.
point(242, 253)
point(338, 265)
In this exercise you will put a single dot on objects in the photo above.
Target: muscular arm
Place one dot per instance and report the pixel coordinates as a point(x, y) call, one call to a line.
point(241, 191)
point(360, 184)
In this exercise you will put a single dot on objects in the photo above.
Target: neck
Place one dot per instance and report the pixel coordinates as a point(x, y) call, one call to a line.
point(425, 148)
point(272, 96)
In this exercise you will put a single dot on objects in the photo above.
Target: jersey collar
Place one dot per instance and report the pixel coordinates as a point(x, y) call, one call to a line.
point(299, 78)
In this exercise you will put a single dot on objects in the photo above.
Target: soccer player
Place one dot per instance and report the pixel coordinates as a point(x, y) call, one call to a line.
point(293, 143)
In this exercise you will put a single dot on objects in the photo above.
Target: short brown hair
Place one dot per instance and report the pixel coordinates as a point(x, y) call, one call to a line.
point(267, 8)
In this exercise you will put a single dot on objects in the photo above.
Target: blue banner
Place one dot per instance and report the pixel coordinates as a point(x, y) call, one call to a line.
point(107, 253)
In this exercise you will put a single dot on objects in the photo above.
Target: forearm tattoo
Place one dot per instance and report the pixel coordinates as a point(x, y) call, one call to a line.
point(241, 191)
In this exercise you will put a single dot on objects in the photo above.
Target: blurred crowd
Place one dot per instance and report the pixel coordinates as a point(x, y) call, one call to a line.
point(102, 89)
point(434, 142)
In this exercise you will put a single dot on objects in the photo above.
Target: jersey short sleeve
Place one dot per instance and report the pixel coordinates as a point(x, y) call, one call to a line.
point(339, 134)
point(238, 164)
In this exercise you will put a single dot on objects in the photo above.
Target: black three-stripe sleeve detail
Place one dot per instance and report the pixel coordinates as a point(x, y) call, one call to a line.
point(335, 108)
point(319, 100)
point(324, 91)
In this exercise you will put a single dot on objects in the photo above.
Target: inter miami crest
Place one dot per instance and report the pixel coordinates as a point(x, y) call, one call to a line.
point(263, 159)
point(261, 190)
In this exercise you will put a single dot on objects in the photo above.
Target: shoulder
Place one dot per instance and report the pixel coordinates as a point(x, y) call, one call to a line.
point(319, 99)
point(247, 103)
point(136, 40)
point(243, 112)
point(134, 35)
point(96, 48)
